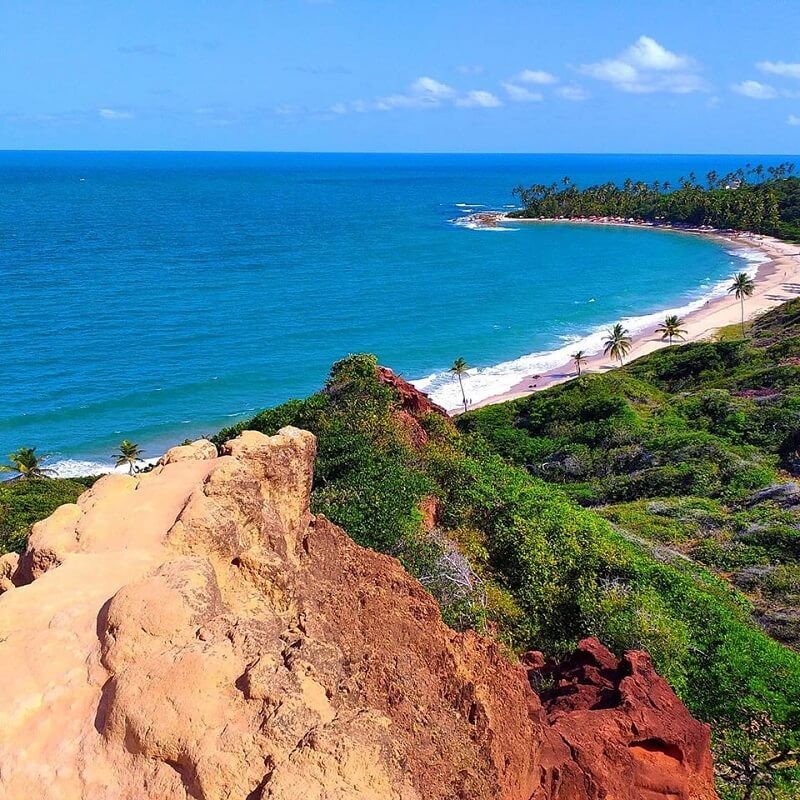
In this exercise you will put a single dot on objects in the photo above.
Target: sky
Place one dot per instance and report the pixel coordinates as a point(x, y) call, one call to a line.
point(665, 76)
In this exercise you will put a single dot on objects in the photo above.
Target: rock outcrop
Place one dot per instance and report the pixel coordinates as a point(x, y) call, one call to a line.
point(412, 399)
point(195, 632)
point(624, 733)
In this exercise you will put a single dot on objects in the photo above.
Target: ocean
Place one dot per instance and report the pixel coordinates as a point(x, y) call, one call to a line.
point(160, 296)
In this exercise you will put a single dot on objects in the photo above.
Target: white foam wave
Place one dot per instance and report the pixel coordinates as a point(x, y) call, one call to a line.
point(469, 205)
point(752, 256)
point(484, 382)
point(78, 468)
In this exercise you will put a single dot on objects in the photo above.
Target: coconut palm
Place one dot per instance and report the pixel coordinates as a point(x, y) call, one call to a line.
point(579, 359)
point(459, 369)
point(617, 343)
point(670, 328)
point(26, 464)
point(742, 286)
point(128, 453)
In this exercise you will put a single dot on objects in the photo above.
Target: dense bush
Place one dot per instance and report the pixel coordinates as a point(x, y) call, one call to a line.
point(547, 572)
point(23, 502)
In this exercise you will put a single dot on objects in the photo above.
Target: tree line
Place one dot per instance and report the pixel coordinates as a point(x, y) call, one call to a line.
point(753, 198)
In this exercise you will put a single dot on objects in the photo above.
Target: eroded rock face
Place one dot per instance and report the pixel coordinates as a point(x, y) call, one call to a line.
point(412, 399)
point(194, 632)
point(624, 732)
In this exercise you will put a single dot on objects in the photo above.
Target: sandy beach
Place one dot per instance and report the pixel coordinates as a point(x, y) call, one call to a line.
point(777, 280)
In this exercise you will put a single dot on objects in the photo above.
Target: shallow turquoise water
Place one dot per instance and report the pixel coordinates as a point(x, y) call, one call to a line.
point(159, 296)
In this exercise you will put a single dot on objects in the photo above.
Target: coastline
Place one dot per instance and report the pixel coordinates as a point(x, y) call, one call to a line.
point(777, 279)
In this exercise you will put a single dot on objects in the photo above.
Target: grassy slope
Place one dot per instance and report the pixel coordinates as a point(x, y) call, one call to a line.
point(672, 449)
point(551, 571)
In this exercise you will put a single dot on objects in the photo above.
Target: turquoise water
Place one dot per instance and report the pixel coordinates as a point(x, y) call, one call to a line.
point(158, 296)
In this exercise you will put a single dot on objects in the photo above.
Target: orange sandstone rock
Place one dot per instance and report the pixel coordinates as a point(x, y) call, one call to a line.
point(194, 632)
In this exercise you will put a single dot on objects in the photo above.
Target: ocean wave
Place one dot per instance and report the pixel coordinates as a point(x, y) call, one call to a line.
point(469, 205)
point(752, 256)
point(485, 382)
point(79, 468)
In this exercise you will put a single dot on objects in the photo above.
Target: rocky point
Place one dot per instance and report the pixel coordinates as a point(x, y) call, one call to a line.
point(195, 632)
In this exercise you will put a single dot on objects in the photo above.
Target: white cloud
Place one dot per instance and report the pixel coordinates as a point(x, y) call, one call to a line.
point(784, 68)
point(470, 69)
point(113, 113)
point(536, 76)
point(613, 70)
point(645, 67)
point(479, 98)
point(519, 94)
point(425, 92)
point(574, 93)
point(793, 120)
point(755, 90)
point(647, 53)
point(430, 87)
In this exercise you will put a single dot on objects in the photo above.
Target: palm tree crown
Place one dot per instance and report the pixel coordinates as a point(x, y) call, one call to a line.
point(459, 369)
point(671, 329)
point(742, 286)
point(26, 464)
point(128, 453)
point(579, 359)
point(617, 343)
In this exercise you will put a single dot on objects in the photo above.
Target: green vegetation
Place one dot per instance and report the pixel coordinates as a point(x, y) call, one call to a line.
point(24, 502)
point(671, 329)
point(535, 568)
point(24, 463)
point(742, 286)
point(751, 199)
point(459, 369)
point(128, 453)
point(686, 452)
point(617, 343)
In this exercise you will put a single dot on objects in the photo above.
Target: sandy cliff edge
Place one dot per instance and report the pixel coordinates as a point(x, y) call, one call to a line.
point(195, 632)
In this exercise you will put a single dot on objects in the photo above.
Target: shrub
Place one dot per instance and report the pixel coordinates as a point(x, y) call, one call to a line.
point(23, 502)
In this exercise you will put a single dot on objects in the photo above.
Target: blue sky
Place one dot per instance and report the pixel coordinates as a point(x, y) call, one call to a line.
point(378, 75)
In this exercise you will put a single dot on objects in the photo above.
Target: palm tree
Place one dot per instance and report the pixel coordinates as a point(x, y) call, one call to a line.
point(26, 464)
point(671, 328)
point(459, 369)
point(128, 453)
point(742, 286)
point(579, 360)
point(618, 343)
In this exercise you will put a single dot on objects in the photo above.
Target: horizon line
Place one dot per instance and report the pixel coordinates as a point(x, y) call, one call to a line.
point(393, 152)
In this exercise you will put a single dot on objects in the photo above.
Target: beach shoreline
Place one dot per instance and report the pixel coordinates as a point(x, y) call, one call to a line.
point(777, 279)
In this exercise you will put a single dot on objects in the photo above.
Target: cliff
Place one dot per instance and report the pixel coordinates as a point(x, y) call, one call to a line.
point(195, 632)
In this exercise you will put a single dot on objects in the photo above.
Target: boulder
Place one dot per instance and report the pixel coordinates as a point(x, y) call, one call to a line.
point(623, 732)
point(195, 451)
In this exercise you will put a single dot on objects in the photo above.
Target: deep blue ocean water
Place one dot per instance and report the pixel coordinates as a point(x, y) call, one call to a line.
point(158, 296)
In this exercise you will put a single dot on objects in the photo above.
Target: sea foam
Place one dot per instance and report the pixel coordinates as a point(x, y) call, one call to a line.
point(78, 468)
